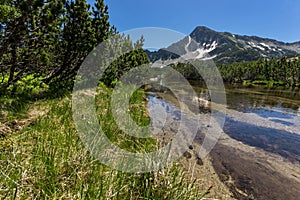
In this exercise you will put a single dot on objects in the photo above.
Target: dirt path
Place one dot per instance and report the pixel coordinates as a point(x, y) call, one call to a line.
point(35, 110)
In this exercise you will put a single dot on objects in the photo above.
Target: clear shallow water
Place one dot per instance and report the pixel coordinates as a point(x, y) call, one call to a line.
point(272, 120)
point(267, 119)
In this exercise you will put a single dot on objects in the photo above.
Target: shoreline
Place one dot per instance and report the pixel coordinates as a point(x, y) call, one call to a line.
point(246, 171)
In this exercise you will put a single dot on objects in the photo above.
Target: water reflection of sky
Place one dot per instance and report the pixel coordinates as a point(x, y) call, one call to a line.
point(284, 116)
point(259, 120)
point(273, 140)
point(161, 113)
point(282, 122)
point(274, 113)
point(279, 107)
point(282, 107)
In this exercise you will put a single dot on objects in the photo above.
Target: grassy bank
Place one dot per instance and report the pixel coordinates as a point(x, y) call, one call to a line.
point(45, 159)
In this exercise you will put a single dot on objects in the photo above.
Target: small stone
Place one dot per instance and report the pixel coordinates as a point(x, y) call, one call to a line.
point(187, 155)
point(199, 161)
point(191, 147)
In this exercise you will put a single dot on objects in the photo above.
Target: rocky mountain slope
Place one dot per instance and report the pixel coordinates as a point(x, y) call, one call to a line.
point(204, 43)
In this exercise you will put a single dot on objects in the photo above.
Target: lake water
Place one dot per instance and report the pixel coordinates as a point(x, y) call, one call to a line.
point(263, 118)
point(270, 119)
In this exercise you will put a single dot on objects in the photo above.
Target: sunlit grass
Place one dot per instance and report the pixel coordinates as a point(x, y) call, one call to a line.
point(47, 160)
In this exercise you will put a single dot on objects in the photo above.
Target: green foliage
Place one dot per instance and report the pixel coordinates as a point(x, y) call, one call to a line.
point(7, 12)
point(77, 40)
point(125, 62)
point(51, 39)
point(29, 84)
point(282, 72)
point(27, 39)
point(271, 73)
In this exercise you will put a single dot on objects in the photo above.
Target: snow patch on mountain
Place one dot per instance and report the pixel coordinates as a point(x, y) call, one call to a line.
point(201, 52)
point(265, 45)
point(256, 46)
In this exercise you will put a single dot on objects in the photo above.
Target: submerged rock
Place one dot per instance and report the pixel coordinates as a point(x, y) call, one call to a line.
point(199, 161)
point(187, 155)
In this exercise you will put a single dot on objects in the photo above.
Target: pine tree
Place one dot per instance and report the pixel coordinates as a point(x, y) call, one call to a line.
point(27, 38)
point(82, 31)
point(100, 22)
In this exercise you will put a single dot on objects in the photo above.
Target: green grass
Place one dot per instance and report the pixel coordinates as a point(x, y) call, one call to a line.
point(47, 160)
point(137, 112)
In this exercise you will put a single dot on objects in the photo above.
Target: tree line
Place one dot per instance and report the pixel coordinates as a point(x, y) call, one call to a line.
point(284, 71)
point(272, 72)
point(47, 41)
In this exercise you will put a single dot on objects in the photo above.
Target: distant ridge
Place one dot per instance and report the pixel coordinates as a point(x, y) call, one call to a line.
point(225, 47)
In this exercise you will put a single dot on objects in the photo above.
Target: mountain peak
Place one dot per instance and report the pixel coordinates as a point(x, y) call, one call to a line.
point(202, 28)
point(226, 47)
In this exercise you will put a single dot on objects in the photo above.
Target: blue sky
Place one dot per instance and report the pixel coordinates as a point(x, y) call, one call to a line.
point(276, 19)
